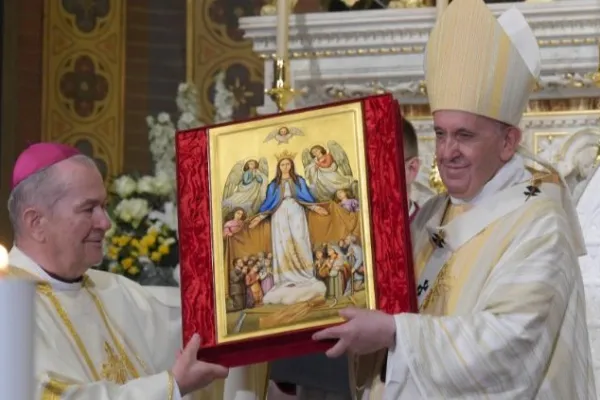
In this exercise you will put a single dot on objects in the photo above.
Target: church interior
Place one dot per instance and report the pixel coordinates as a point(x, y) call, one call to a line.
point(117, 79)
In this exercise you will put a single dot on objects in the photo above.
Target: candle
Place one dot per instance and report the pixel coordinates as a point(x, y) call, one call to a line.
point(282, 28)
point(440, 6)
point(3, 261)
point(17, 325)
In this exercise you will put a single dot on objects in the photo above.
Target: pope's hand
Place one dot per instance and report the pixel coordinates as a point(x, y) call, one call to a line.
point(191, 374)
point(364, 332)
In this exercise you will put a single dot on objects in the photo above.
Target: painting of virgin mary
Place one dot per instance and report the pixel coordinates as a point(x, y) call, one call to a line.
point(278, 238)
point(287, 201)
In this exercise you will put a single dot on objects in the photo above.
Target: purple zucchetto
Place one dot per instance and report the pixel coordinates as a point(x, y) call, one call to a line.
point(39, 156)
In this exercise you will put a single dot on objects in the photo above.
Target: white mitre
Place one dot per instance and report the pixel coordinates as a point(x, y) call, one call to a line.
point(481, 65)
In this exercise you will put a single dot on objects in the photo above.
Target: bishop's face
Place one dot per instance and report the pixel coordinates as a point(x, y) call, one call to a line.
point(78, 221)
point(470, 150)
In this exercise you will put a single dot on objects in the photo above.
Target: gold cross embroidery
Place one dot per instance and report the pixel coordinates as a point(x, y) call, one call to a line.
point(114, 369)
point(438, 239)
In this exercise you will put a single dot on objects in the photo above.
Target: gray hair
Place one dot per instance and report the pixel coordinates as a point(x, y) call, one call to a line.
point(40, 189)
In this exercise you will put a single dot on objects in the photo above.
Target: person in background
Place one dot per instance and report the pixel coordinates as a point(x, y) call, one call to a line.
point(98, 335)
point(499, 289)
point(412, 162)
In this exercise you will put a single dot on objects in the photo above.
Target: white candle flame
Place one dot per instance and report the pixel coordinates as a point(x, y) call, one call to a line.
point(3, 258)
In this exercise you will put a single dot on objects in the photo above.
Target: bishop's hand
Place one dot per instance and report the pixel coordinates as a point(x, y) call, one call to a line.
point(365, 332)
point(192, 374)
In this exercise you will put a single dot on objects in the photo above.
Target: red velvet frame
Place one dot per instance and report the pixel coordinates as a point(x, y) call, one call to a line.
point(392, 252)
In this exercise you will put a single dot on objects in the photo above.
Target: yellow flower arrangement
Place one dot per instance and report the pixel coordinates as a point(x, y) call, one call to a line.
point(142, 243)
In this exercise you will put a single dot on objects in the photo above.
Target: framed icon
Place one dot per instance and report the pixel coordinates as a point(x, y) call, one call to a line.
point(284, 220)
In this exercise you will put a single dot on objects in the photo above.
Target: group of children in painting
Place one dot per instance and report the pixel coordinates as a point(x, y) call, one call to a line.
point(341, 267)
point(249, 280)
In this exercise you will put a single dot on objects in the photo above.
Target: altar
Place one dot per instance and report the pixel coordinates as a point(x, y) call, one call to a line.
point(341, 55)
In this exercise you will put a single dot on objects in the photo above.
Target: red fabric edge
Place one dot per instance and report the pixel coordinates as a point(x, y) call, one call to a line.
point(392, 251)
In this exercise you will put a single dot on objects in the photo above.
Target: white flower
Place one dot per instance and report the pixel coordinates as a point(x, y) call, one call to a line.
point(132, 210)
point(163, 184)
point(187, 120)
point(162, 129)
point(113, 266)
point(177, 275)
point(164, 118)
point(167, 217)
point(111, 231)
point(146, 185)
point(124, 186)
point(224, 99)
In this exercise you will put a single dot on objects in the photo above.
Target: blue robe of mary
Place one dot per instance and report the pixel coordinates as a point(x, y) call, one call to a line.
point(274, 196)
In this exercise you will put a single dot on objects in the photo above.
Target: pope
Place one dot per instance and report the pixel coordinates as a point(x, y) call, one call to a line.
point(500, 293)
point(98, 335)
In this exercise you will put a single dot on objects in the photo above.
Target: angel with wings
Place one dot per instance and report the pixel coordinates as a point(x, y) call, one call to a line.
point(283, 135)
point(246, 186)
point(328, 171)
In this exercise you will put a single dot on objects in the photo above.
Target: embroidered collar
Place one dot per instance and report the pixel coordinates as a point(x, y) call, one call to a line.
point(21, 260)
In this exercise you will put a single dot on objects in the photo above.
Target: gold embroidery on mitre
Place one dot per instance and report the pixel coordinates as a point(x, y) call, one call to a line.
point(472, 65)
point(114, 368)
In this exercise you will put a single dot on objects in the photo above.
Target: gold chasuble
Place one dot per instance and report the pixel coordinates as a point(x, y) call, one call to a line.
point(512, 295)
point(105, 338)
point(500, 293)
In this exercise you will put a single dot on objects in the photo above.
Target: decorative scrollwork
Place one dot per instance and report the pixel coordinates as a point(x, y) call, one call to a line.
point(247, 93)
point(84, 86)
point(87, 14)
point(87, 148)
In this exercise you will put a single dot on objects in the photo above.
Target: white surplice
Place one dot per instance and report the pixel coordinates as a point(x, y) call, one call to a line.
point(507, 319)
point(107, 338)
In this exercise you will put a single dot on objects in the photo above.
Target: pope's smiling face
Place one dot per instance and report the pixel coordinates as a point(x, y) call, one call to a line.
point(470, 150)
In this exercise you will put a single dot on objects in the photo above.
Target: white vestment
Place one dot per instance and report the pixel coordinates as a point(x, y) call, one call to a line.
point(588, 208)
point(106, 338)
point(505, 318)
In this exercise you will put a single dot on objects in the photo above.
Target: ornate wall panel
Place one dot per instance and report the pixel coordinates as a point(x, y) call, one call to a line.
point(83, 87)
point(215, 43)
point(21, 91)
point(155, 64)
